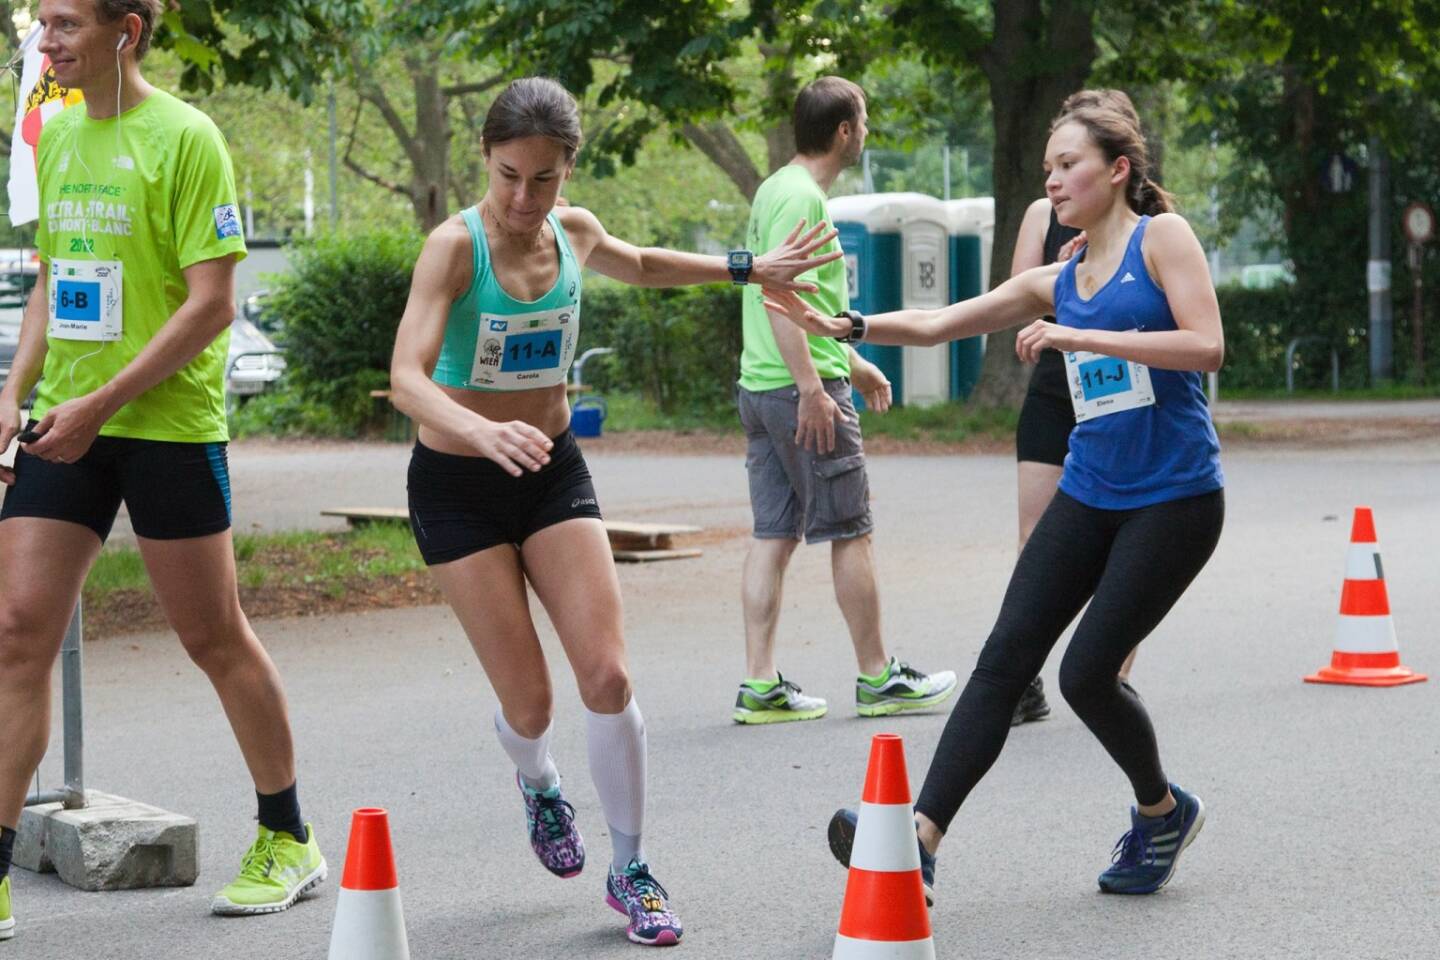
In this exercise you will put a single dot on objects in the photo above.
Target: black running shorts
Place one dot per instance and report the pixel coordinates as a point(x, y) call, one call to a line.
point(461, 505)
point(1047, 416)
point(173, 491)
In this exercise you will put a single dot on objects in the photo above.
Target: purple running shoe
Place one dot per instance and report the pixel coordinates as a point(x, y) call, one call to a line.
point(553, 835)
point(638, 895)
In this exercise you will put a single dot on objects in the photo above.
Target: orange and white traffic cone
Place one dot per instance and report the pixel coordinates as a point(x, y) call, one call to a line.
point(884, 916)
point(1366, 653)
point(369, 923)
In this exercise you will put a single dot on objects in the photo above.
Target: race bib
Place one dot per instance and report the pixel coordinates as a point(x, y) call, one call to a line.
point(525, 350)
point(1101, 385)
point(85, 300)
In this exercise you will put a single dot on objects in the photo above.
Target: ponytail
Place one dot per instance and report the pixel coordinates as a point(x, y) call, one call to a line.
point(1148, 198)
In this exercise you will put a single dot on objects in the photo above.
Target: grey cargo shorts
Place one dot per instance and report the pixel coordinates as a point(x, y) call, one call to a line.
point(796, 492)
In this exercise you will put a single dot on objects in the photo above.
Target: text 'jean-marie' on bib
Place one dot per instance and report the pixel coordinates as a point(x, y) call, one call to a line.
point(522, 351)
point(1101, 385)
point(86, 300)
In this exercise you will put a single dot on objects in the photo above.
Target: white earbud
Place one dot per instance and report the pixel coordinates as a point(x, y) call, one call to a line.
point(120, 44)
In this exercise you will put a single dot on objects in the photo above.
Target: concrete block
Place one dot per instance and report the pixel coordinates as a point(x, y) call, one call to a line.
point(114, 844)
point(30, 850)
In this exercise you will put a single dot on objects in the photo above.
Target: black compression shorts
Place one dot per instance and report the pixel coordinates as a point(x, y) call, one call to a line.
point(461, 505)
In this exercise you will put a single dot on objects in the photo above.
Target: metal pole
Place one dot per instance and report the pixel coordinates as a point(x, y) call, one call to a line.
point(70, 680)
point(1377, 274)
point(1417, 315)
point(334, 166)
point(945, 154)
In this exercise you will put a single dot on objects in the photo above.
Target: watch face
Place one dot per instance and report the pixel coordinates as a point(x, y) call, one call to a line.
point(741, 259)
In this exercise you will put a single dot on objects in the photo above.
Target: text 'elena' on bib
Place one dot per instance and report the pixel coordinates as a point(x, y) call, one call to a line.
point(86, 300)
point(522, 351)
point(1101, 385)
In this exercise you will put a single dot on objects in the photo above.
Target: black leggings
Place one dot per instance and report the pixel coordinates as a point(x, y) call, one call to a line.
point(1131, 565)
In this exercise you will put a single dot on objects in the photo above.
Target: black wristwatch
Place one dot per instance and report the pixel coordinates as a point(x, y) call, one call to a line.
point(740, 263)
point(857, 326)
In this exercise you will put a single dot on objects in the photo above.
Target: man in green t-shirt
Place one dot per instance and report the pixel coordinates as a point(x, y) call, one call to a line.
point(805, 459)
point(126, 335)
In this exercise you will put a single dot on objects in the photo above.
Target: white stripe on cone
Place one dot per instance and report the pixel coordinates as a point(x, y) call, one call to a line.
point(848, 948)
point(369, 925)
point(1365, 634)
point(1362, 562)
point(885, 839)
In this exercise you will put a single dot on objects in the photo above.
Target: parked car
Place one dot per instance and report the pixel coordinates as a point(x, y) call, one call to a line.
point(254, 362)
point(258, 311)
point(12, 308)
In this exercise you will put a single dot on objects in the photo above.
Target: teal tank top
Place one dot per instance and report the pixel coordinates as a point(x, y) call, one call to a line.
point(495, 342)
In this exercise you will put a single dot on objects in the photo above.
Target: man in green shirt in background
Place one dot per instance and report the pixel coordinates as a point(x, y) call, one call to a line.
point(139, 235)
point(805, 459)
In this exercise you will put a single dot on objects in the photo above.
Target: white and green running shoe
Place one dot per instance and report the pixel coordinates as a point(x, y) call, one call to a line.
point(7, 919)
point(277, 871)
point(901, 687)
point(775, 701)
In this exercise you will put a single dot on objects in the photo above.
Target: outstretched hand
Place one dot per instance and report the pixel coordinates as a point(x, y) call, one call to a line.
point(779, 267)
point(786, 303)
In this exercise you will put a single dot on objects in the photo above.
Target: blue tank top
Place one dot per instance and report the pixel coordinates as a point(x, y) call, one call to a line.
point(1135, 458)
point(495, 342)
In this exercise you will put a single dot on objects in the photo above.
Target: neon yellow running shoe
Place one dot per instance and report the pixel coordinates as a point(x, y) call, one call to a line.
point(277, 871)
point(7, 920)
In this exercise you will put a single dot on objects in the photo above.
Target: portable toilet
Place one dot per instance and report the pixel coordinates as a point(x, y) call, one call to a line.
point(870, 236)
point(971, 227)
point(925, 261)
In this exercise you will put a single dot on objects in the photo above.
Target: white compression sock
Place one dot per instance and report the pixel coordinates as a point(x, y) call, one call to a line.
point(531, 757)
point(617, 765)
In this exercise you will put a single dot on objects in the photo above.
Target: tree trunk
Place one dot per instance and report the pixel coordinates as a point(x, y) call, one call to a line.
point(430, 176)
point(1035, 59)
point(725, 150)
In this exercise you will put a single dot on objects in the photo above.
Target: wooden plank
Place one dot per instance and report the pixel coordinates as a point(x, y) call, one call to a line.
point(635, 542)
point(358, 516)
point(645, 556)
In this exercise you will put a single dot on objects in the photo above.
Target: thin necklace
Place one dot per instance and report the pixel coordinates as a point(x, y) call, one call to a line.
point(536, 243)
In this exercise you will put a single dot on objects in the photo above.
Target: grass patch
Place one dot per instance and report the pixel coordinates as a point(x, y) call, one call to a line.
point(942, 423)
point(631, 411)
point(1391, 391)
point(334, 563)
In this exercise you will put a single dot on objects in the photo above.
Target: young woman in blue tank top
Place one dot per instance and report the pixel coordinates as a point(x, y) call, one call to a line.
point(1042, 437)
point(499, 491)
point(1140, 504)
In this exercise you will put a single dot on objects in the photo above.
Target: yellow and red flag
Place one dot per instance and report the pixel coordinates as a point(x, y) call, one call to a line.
point(40, 99)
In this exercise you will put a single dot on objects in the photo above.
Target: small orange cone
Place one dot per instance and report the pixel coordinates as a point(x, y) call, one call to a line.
point(884, 914)
point(1366, 653)
point(369, 923)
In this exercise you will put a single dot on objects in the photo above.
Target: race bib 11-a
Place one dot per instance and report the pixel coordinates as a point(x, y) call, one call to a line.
point(526, 350)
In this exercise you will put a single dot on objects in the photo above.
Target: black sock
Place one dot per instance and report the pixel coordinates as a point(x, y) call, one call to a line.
point(281, 812)
point(7, 850)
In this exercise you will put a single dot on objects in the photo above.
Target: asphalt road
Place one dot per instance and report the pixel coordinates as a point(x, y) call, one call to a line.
point(1320, 840)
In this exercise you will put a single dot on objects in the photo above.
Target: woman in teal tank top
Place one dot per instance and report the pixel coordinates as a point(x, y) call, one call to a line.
point(499, 491)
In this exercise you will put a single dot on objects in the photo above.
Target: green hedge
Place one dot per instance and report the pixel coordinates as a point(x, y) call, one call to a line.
point(1260, 323)
point(340, 306)
point(679, 348)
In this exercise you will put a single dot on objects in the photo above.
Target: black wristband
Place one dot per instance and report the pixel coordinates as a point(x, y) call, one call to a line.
point(857, 326)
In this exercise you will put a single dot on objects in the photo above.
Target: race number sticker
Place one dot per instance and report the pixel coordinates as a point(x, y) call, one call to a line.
point(526, 350)
point(1101, 385)
point(86, 300)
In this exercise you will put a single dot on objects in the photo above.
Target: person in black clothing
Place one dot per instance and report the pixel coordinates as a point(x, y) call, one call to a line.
point(1042, 438)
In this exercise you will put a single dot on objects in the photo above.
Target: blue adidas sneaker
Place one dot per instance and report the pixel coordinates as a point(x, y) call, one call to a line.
point(1144, 859)
point(841, 835)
